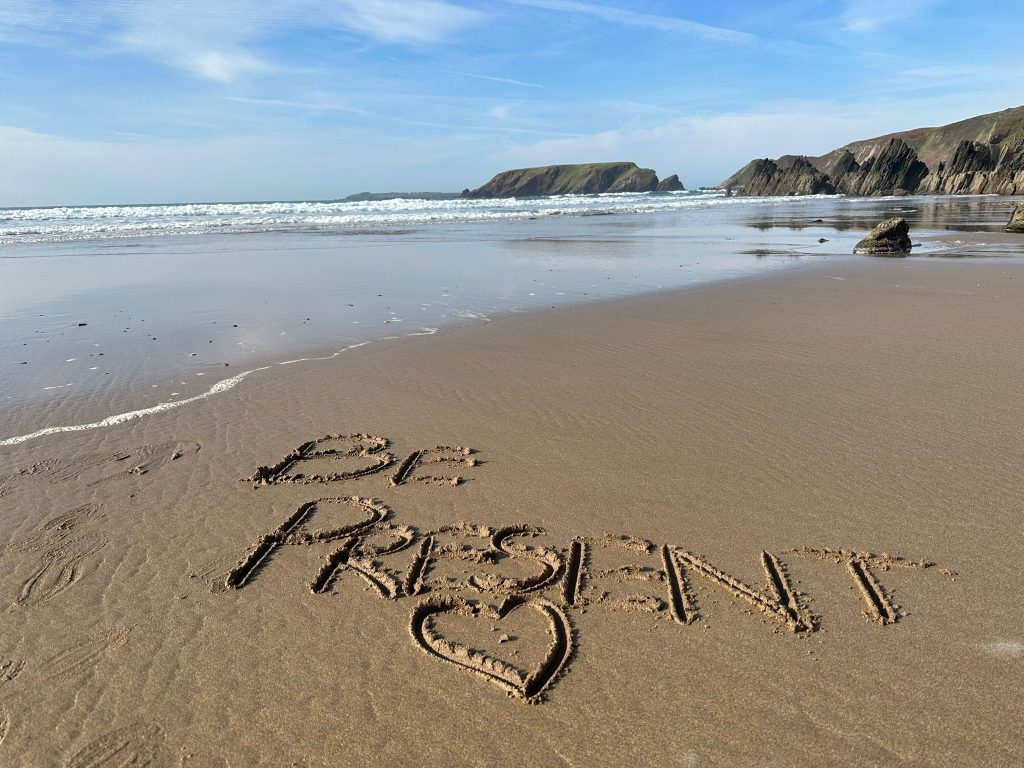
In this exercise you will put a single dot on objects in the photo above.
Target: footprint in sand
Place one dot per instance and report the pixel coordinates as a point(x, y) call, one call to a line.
point(84, 655)
point(138, 744)
point(10, 669)
point(66, 545)
point(103, 467)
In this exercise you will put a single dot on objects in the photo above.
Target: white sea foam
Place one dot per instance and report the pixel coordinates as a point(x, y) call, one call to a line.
point(111, 421)
point(221, 386)
point(24, 225)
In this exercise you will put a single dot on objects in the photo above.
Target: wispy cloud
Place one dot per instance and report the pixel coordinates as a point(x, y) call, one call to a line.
point(947, 72)
point(488, 128)
point(214, 40)
point(864, 16)
point(406, 21)
point(45, 22)
point(949, 76)
point(223, 40)
point(492, 78)
point(313, 106)
point(643, 20)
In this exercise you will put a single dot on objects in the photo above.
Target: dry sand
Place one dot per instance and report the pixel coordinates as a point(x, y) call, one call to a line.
point(770, 521)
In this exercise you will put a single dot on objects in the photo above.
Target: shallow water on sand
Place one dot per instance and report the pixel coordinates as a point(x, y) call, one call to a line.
point(134, 322)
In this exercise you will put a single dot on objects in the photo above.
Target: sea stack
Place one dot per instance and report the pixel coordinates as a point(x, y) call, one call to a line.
point(1017, 220)
point(794, 177)
point(890, 238)
point(671, 184)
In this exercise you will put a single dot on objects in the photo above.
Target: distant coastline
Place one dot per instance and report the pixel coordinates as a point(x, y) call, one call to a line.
point(376, 197)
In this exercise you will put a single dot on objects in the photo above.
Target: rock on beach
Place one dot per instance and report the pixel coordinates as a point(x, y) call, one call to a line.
point(890, 238)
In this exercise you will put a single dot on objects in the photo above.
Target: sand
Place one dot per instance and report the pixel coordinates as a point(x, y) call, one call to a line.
point(769, 521)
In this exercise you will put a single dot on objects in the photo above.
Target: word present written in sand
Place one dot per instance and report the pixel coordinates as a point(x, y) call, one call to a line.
point(472, 571)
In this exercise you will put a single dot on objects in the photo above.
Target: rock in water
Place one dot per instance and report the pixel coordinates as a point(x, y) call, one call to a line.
point(671, 184)
point(890, 238)
point(1017, 220)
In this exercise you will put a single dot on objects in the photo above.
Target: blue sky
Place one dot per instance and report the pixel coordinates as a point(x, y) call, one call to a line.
point(105, 101)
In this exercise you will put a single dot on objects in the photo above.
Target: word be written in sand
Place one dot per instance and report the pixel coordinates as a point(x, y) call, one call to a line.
point(489, 573)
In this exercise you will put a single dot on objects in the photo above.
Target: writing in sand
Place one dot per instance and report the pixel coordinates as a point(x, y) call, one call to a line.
point(486, 573)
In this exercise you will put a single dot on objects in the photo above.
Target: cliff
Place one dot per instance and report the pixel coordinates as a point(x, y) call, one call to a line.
point(799, 177)
point(583, 179)
point(895, 170)
point(978, 169)
point(980, 155)
point(671, 184)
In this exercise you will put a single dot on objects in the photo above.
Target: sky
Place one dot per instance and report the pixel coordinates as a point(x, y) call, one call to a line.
point(131, 101)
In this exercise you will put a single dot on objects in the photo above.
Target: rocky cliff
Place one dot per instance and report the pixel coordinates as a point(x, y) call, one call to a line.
point(977, 168)
point(893, 171)
point(980, 155)
point(798, 177)
point(583, 179)
point(671, 184)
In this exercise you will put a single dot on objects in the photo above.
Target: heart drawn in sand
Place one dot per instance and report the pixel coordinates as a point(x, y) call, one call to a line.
point(528, 685)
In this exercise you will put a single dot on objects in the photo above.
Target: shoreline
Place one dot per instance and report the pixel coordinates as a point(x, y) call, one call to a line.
point(328, 352)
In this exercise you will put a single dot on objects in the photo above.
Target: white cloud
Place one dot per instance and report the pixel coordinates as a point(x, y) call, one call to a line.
point(320, 105)
point(223, 40)
point(406, 21)
point(492, 78)
point(864, 16)
point(642, 20)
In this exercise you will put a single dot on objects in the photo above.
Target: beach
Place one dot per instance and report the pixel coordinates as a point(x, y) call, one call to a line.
point(770, 519)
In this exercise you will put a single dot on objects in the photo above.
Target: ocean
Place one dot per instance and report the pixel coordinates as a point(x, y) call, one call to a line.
point(64, 224)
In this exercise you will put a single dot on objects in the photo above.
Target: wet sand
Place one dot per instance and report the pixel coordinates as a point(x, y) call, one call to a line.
point(774, 520)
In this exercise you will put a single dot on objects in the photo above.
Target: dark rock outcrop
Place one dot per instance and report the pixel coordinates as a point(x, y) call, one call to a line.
point(978, 168)
point(895, 170)
point(767, 177)
point(671, 184)
point(841, 166)
point(979, 155)
point(1017, 220)
point(583, 179)
point(890, 238)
